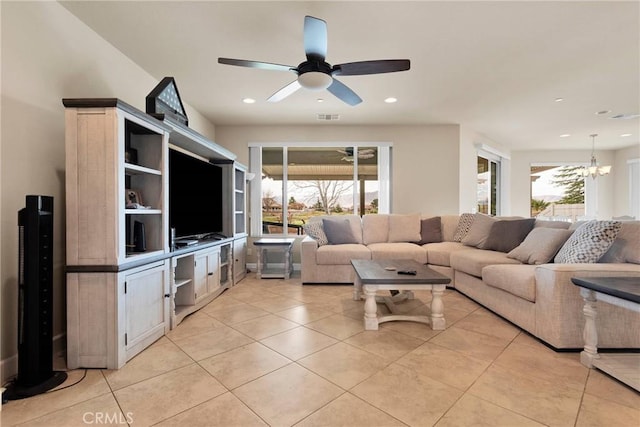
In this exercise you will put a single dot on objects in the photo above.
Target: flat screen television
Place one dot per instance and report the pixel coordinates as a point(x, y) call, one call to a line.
point(195, 196)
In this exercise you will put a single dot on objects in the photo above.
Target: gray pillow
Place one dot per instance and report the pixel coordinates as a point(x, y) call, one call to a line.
point(589, 242)
point(430, 230)
point(316, 232)
point(479, 231)
point(540, 245)
point(338, 231)
point(506, 235)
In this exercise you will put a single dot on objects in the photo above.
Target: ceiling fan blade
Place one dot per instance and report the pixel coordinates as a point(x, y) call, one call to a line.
point(256, 64)
point(344, 93)
point(371, 67)
point(315, 38)
point(285, 91)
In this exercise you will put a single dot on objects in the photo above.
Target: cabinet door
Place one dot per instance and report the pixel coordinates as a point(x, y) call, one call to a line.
point(239, 259)
point(146, 307)
point(213, 271)
point(200, 276)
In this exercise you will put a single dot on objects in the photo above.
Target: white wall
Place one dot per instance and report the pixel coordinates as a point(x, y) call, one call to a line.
point(47, 55)
point(425, 176)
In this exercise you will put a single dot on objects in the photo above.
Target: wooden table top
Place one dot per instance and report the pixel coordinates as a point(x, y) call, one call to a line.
point(274, 241)
point(626, 288)
point(373, 272)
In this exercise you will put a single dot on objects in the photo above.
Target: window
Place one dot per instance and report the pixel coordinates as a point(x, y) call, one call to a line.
point(300, 181)
point(560, 192)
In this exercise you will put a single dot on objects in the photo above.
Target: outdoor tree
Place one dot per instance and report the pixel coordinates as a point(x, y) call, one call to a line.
point(538, 206)
point(570, 178)
point(268, 201)
point(327, 192)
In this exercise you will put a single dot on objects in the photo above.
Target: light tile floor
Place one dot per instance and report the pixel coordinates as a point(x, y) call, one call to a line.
point(274, 352)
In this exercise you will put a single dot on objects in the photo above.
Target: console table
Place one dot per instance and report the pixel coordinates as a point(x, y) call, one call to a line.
point(270, 244)
point(620, 291)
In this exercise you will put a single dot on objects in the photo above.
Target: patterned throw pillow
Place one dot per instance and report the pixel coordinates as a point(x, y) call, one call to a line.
point(316, 232)
point(589, 242)
point(464, 224)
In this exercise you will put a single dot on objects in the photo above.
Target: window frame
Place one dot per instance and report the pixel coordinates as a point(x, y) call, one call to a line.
point(255, 167)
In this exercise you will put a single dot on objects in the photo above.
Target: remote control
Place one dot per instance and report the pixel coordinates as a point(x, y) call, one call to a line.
point(409, 272)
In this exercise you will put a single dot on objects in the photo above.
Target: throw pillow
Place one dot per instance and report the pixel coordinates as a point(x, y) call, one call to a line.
point(552, 224)
point(338, 231)
point(430, 230)
point(316, 232)
point(626, 247)
point(589, 242)
point(404, 228)
point(540, 245)
point(479, 231)
point(466, 219)
point(506, 235)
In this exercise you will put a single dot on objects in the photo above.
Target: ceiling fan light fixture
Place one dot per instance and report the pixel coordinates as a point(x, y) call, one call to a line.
point(315, 80)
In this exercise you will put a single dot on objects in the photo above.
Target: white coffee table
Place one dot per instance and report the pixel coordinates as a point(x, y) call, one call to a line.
point(374, 275)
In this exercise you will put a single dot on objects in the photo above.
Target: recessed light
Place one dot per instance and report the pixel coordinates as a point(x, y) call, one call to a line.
point(320, 100)
point(601, 112)
point(391, 100)
point(624, 135)
point(558, 100)
point(249, 100)
point(565, 135)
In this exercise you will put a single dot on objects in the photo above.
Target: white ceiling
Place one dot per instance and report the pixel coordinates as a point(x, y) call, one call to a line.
point(495, 67)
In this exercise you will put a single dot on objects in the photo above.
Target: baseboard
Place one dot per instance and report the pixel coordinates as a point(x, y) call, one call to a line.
point(9, 366)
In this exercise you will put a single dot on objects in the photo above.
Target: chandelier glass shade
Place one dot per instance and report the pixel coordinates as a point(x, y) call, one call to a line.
point(594, 170)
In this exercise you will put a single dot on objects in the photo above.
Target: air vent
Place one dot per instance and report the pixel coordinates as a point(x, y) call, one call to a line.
point(328, 117)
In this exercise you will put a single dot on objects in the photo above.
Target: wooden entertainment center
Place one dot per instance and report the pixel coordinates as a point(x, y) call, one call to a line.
point(127, 285)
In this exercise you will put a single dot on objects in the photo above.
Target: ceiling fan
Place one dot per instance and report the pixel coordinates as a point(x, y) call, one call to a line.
point(315, 73)
point(363, 153)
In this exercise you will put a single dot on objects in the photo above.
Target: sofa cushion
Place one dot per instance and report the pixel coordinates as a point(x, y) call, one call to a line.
point(354, 220)
point(518, 280)
point(540, 246)
point(316, 232)
point(375, 228)
point(505, 235)
point(404, 228)
point(473, 261)
point(449, 227)
point(430, 230)
point(589, 242)
point(479, 230)
point(398, 250)
point(341, 254)
point(440, 253)
point(552, 224)
point(464, 223)
point(338, 232)
point(626, 247)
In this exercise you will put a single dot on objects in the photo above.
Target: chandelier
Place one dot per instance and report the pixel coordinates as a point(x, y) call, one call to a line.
point(593, 169)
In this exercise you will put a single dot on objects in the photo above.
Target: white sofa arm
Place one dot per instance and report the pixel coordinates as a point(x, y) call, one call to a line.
point(308, 263)
point(558, 302)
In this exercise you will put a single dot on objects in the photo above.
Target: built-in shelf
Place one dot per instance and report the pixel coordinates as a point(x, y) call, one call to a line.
point(132, 169)
point(142, 211)
point(180, 282)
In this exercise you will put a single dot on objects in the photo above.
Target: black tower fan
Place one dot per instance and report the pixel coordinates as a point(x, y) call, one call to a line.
point(35, 301)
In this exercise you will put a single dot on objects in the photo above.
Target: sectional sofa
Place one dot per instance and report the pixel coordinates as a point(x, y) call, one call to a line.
point(509, 268)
